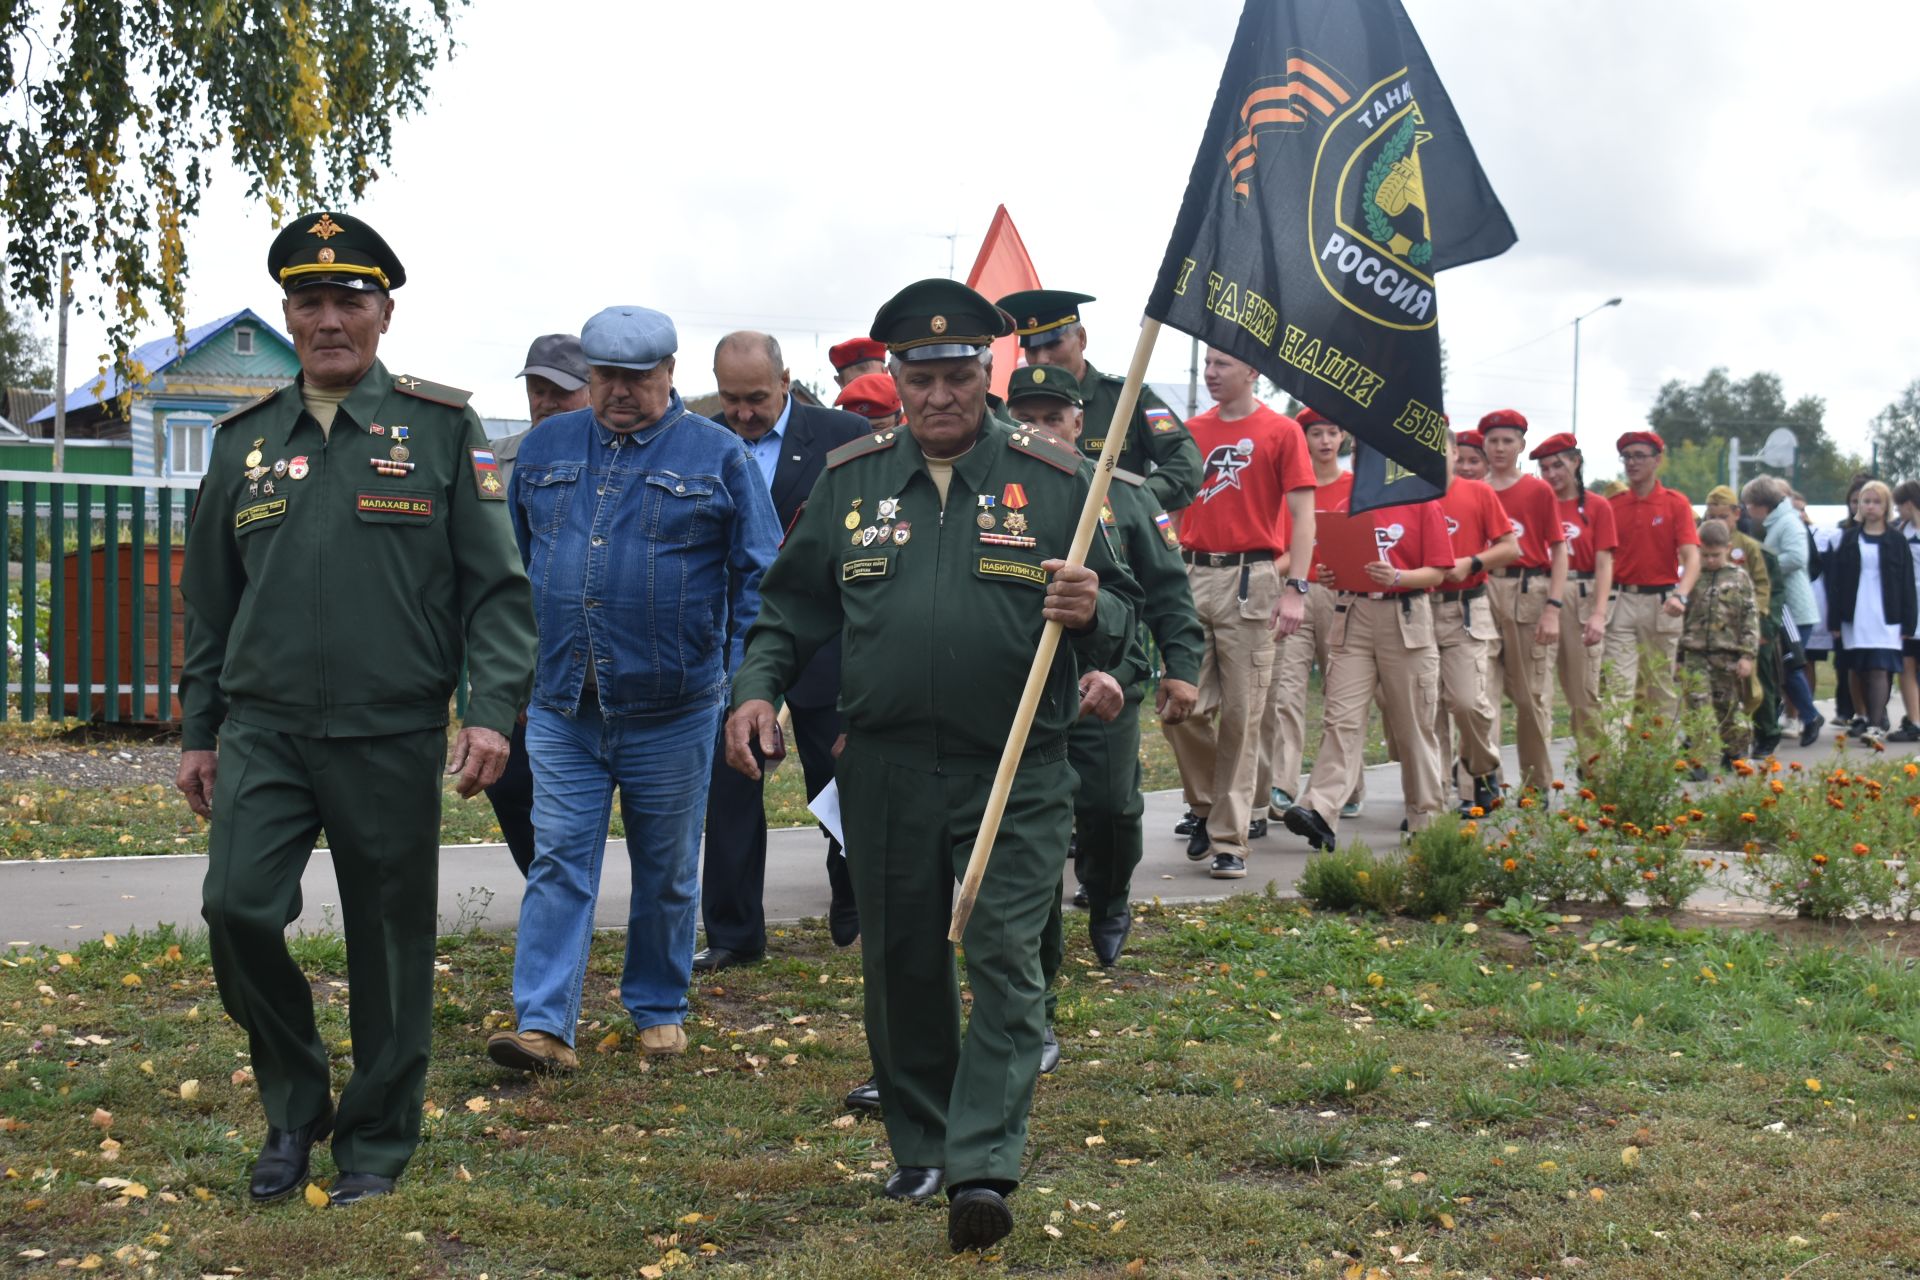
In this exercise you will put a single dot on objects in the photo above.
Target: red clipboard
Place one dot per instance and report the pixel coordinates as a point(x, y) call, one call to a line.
point(1347, 544)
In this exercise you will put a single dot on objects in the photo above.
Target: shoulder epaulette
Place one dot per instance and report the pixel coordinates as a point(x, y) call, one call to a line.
point(244, 409)
point(1125, 476)
point(872, 442)
point(1038, 444)
point(452, 397)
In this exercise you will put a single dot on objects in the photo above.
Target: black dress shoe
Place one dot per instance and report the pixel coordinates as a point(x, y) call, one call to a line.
point(1198, 844)
point(1257, 829)
point(864, 1096)
point(1108, 937)
point(843, 921)
point(1303, 821)
point(1187, 823)
point(281, 1168)
point(714, 959)
point(1049, 1052)
point(1810, 733)
point(1080, 899)
point(913, 1182)
point(976, 1218)
point(352, 1188)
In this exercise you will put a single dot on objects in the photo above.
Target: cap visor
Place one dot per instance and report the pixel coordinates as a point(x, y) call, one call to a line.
point(558, 377)
point(359, 284)
point(624, 364)
point(1046, 338)
point(942, 351)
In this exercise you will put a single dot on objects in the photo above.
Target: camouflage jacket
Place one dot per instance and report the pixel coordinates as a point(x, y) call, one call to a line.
point(1721, 614)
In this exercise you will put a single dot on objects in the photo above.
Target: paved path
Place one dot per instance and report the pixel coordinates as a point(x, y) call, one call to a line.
point(56, 901)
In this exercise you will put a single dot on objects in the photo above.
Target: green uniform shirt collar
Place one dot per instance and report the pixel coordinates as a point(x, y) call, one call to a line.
point(969, 469)
point(358, 407)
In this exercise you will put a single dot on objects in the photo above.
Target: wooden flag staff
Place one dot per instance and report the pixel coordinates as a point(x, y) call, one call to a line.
point(1050, 635)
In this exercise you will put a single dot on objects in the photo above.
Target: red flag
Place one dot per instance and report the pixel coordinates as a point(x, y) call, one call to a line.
point(1001, 268)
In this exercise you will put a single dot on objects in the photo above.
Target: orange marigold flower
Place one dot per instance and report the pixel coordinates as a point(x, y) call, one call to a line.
point(1526, 802)
point(1580, 825)
point(1749, 817)
point(1797, 767)
point(1469, 828)
point(1476, 812)
point(1751, 846)
point(1776, 786)
point(1509, 865)
point(1819, 859)
point(1662, 829)
point(1836, 801)
point(1609, 808)
point(1696, 815)
point(1593, 853)
point(1559, 785)
point(1911, 769)
point(1861, 850)
point(1773, 766)
point(1586, 794)
point(1742, 768)
point(1649, 876)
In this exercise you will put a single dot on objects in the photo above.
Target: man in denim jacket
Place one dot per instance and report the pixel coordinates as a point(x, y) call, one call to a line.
point(645, 530)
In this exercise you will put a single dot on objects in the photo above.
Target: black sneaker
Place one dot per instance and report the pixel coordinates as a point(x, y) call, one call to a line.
point(1857, 726)
point(1187, 823)
point(1228, 866)
point(1810, 733)
point(1907, 732)
point(1198, 843)
point(1257, 829)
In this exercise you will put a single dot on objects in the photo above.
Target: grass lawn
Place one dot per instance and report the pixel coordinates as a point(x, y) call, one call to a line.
point(1258, 1091)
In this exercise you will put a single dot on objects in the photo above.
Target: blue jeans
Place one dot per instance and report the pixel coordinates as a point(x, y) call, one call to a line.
point(661, 764)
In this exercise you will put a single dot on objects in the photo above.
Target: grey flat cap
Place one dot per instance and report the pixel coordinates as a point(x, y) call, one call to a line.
point(629, 338)
point(557, 358)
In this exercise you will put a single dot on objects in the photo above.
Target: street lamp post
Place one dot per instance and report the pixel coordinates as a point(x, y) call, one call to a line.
point(1610, 302)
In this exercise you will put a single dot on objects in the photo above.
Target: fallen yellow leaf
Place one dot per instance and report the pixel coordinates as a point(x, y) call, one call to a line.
point(1095, 1140)
point(1813, 1085)
point(146, 1068)
point(1446, 1220)
point(316, 1197)
point(690, 1219)
point(843, 1122)
point(92, 1261)
point(461, 1175)
point(1629, 1156)
point(477, 1105)
point(101, 1118)
point(108, 941)
point(65, 958)
point(608, 1043)
point(189, 1090)
point(654, 1273)
point(1596, 1193)
point(131, 980)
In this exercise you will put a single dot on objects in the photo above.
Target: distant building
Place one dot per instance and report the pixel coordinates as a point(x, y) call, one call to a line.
point(166, 422)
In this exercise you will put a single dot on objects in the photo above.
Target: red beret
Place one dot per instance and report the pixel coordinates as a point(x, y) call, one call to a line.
point(854, 350)
point(1307, 417)
point(1504, 418)
point(1561, 443)
point(1640, 437)
point(1470, 440)
point(871, 395)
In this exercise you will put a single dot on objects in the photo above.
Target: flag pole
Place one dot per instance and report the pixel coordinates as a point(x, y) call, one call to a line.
point(1050, 635)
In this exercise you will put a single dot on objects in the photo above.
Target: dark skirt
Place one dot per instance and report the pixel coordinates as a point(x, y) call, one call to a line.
point(1870, 660)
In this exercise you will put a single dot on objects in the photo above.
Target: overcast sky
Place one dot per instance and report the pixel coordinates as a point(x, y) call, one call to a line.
point(1739, 174)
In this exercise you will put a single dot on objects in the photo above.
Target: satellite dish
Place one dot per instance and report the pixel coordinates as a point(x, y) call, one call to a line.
point(1780, 448)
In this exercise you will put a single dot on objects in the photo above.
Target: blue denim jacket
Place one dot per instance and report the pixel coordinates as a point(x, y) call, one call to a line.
point(646, 553)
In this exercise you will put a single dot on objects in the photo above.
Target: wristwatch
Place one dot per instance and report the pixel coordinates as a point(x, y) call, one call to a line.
point(1681, 597)
point(1298, 584)
point(1558, 604)
point(1476, 565)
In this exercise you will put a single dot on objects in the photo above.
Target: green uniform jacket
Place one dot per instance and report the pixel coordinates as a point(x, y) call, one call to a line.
point(1721, 615)
point(938, 621)
point(343, 603)
point(1159, 446)
point(1150, 550)
point(1753, 559)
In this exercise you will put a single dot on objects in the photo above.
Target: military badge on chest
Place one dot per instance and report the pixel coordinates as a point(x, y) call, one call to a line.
point(398, 461)
point(888, 526)
point(1014, 499)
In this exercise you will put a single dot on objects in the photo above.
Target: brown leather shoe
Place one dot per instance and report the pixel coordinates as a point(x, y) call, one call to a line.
point(535, 1051)
point(666, 1039)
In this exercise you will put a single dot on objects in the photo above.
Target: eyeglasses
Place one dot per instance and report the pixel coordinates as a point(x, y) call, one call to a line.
point(1638, 457)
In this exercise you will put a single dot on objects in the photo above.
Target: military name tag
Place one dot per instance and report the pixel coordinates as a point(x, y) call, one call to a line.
point(259, 511)
point(1013, 569)
point(867, 567)
point(388, 504)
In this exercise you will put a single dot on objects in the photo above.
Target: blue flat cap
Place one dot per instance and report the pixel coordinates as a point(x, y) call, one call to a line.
point(629, 338)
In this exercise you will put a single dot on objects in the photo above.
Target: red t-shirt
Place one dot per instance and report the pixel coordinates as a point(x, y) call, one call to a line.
point(1535, 515)
point(1251, 465)
point(1415, 536)
point(1476, 520)
point(1329, 502)
point(1589, 535)
point(1651, 531)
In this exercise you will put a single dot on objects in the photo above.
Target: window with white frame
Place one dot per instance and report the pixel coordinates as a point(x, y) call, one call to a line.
point(243, 342)
point(187, 439)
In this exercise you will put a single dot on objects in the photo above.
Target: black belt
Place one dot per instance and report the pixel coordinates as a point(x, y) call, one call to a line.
point(1574, 575)
point(1471, 593)
point(1406, 598)
point(1633, 590)
point(1225, 559)
point(1514, 572)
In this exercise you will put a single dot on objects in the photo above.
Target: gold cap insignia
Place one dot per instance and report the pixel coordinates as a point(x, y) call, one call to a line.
point(325, 254)
point(1039, 376)
point(326, 228)
point(939, 324)
point(1033, 322)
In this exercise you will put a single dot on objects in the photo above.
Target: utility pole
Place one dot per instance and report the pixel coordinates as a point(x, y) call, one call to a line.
point(60, 373)
point(1610, 302)
point(1193, 380)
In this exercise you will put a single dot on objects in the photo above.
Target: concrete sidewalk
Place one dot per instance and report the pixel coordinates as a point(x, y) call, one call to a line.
point(57, 901)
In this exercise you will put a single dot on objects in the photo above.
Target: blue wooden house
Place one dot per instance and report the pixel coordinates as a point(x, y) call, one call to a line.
point(165, 415)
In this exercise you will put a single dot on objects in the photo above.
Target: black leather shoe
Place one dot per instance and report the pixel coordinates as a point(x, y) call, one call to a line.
point(281, 1168)
point(864, 1096)
point(1049, 1052)
point(1080, 896)
point(1303, 821)
point(714, 959)
point(1257, 829)
point(977, 1217)
point(1187, 823)
point(843, 921)
point(1198, 844)
point(1810, 734)
point(914, 1183)
point(352, 1188)
point(1766, 746)
point(1108, 937)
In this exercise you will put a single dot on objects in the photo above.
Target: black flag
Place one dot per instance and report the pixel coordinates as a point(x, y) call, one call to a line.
point(1332, 184)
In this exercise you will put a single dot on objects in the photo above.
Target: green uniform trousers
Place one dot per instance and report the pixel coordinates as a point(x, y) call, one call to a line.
point(1766, 665)
point(1107, 824)
point(378, 799)
point(951, 1103)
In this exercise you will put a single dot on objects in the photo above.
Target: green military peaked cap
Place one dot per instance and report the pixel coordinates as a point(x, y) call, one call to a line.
point(939, 320)
point(1040, 380)
point(336, 249)
point(1041, 315)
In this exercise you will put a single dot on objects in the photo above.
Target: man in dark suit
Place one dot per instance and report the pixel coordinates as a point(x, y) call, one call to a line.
point(789, 441)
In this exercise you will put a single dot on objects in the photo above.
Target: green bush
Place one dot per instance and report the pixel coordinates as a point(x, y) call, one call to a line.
point(1446, 868)
point(1332, 881)
point(1383, 885)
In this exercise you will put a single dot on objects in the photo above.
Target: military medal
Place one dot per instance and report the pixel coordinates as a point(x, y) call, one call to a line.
point(868, 536)
point(889, 508)
point(253, 459)
point(279, 467)
point(267, 488)
point(985, 518)
point(297, 469)
point(856, 539)
point(376, 429)
point(901, 532)
point(853, 518)
point(1017, 523)
point(399, 452)
point(882, 532)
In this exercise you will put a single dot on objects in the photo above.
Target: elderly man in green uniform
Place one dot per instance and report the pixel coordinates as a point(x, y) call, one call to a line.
point(937, 554)
point(1158, 445)
point(349, 550)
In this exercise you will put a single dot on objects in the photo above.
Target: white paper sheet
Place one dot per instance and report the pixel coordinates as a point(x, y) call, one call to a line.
point(826, 807)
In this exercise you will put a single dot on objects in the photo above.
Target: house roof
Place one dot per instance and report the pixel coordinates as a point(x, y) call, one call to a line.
point(154, 357)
